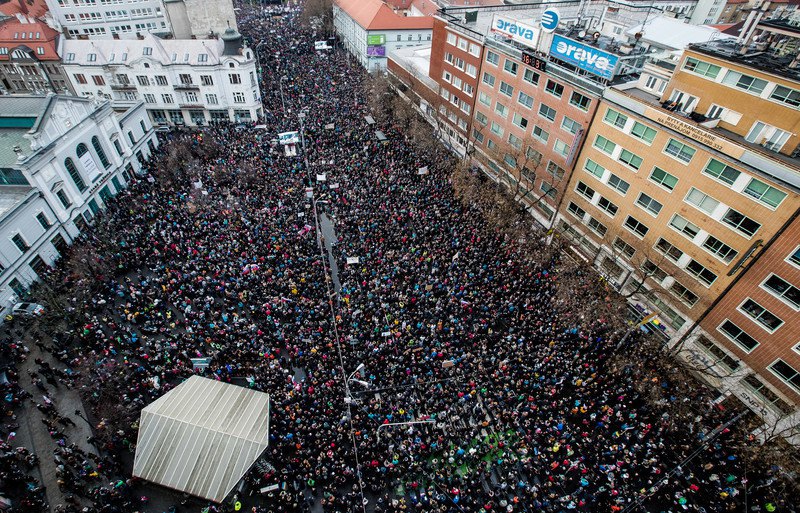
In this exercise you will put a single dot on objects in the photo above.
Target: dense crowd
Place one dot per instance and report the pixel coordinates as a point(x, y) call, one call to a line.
point(439, 372)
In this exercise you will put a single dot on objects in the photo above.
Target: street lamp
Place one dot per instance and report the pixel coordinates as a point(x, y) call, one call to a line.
point(283, 101)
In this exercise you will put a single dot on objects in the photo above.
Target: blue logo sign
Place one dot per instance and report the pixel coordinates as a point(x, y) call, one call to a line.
point(585, 57)
point(550, 19)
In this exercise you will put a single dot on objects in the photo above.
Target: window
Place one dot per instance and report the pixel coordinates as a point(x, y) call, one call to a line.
point(552, 168)
point(488, 79)
point(604, 145)
point(547, 112)
point(767, 136)
point(515, 141)
point(740, 222)
point(203, 57)
point(719, 356)
point(525, 100)
point(643, 132)
point(594, 168)
point(506, 89)
point(715, 112)
point(534, 156)
point(614, 118)
point(451, 38)
point(611, 267)
point(653, 271)
point(63, 198)
point(794, 258)
point(720, 249)
point(73, 173)
point(701, 200)
point(492, 58)
point(764, 193)
point(520, 121)
point(636, 226)
point(663, 178)
point(684, 226)
point(649, 204)
point(561, 147)
point(597, 227)
point(185, 78)
point(580, 101)
point(501, 109)
point(761, 315)
point(766, 394)
point(721, 172)
point(472, 70)
point(481, 118)
point(701, 68)
point(788, 96)
point(511, 67)
point(142, 80)
point(783, 289)
point(447, 76)
point(787, 373)
point(570, 125)
point(585, 190)
point(234, 78)
point(92, 57)
point(630, 158)
point(699, 271)
point(167, 98)
point(549, 190)
point(206, 80)
point(540, 133)
point(496, 129)
point(750, 84)
point(680, 151)
point(510, 160)
point(684, 294)
point(80, 78)
point(147, 51)
point(668, 250)
point(531, 77)
point(554, 88)
point(624, 248)
point(98, 80)
point(101, 154)
point(607, 206)
point(618, 184)
point(575, 210)
point(20, 243)
point(191, 97)
point(238, 97)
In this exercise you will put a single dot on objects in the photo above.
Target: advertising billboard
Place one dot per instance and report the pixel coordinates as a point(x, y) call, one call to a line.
point(585, 57)
point(520, 32)
point(376, 51)
point(376, 39)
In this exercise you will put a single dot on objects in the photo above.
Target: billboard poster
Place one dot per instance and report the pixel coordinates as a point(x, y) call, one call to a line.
point(376, 39)
point(376, 51)
point(520, 32)
point(585, 57)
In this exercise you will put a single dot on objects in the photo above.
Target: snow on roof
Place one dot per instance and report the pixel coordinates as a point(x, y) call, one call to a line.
point(202, 437)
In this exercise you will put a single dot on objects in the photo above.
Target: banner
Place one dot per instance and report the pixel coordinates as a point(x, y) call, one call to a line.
point(288, 138)
point(593, 60)
point(376, 39)
point(520, 32)
point(89, 165)
point(376, 51)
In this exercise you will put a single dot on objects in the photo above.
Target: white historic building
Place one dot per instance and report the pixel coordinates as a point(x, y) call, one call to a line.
point(125, 19)
point(182, 82)
point(61, 159)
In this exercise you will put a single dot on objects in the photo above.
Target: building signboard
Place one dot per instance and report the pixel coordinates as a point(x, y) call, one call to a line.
point(376, 39)
point(516, 30)
point(695, 132)
point(587, 58)
point(376, 51)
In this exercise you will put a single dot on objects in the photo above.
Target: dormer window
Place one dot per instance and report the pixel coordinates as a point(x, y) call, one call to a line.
point(147, 51)
point(203, 57)
point(92, 57)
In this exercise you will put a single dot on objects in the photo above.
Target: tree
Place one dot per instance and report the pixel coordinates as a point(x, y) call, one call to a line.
point(318, 16)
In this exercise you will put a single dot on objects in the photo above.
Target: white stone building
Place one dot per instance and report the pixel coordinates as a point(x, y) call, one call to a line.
point(105, 19)
point(61, 159)
point(371, 30)
point(182, 82)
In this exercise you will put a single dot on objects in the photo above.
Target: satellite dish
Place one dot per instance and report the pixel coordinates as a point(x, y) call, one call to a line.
point(638, 35)
point(582, 34)
point(596, 35)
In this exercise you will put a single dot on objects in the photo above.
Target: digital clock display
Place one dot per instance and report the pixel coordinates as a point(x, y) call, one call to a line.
point(534, 62)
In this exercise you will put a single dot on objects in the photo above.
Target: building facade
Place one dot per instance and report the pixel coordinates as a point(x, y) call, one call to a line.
point(198, 18)
point(370, 30)
point(106, 19)
point(182, 82)
point(29, 61)
point(62, 159)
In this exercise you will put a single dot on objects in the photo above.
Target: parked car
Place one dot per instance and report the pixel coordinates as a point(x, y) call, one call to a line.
point(28, 309)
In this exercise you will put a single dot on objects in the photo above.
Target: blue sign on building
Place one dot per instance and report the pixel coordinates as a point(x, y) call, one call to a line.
point(550, 18)
point(585, 57)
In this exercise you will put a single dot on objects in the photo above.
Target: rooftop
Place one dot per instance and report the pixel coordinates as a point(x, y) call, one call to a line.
point(673, 34)
point(376, 15)
point(11, 196)
point(762, 60)
point(417, 61)
point(26, 32)
point(35, 8)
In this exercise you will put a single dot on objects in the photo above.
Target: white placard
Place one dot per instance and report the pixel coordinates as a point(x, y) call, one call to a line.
point(322, 177)
point(334, 186)
point(422, 170)
point(352, 260)
point(90, 166)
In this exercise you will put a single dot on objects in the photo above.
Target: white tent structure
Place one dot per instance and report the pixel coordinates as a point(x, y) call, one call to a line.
point(202, 437)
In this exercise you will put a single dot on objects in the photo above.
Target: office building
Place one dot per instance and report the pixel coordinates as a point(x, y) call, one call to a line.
point(29, 61)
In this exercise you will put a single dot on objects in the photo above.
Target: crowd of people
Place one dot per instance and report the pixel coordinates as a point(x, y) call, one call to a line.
point(417, 358)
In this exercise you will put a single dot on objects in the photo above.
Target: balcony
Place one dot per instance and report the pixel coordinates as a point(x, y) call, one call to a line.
point(117, 86)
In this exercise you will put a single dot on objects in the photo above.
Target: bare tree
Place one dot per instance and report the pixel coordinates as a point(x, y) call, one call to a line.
point(318, 16)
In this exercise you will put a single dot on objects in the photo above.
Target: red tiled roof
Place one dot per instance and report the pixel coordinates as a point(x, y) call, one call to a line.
point(35, 8)
point(376, 15)
point(47, 39)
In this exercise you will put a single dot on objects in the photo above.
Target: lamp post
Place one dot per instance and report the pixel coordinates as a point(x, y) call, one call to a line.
point(283, 101)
